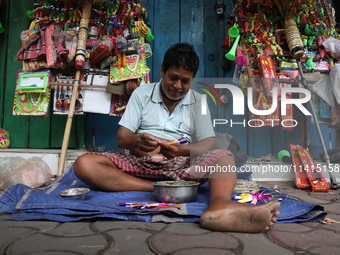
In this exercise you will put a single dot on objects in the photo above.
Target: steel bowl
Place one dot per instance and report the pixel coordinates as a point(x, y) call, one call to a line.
point(175, 191)
point(74, 193)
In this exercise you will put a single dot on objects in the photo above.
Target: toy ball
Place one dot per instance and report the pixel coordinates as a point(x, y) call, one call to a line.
point(4, 138)
point(4, 142)
point(4, 132)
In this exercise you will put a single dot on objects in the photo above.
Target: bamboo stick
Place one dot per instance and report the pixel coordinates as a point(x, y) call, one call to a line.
point(80, 60)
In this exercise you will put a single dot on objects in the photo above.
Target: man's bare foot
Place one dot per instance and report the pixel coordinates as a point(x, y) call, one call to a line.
point(237, 217)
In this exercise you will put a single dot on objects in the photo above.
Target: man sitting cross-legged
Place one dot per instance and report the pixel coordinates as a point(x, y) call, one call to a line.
point(166, 111)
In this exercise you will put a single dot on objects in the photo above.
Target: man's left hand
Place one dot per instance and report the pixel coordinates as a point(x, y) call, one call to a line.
point(170, 150)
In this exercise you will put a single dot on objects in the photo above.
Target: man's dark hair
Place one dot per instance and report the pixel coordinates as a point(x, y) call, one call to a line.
point(181, 55)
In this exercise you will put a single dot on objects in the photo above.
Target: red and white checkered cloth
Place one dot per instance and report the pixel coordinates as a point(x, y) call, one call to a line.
point(178, 168)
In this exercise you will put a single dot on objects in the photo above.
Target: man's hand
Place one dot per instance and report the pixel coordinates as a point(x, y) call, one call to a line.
point(147, 142)
point(171, 150)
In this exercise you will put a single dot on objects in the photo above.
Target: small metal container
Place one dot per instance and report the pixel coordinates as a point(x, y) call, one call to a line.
point(176, 191)
point(74, 193)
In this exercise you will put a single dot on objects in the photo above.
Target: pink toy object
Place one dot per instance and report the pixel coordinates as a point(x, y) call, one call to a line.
point(4, 142)
point(322, 53)
point(240, 59)
point(4, 139)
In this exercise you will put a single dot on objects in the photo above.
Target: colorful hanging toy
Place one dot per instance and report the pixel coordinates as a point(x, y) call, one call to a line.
point(253, 197)
point(4, 139)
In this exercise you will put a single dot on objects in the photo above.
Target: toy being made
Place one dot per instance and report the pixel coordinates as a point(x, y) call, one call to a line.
point(181, 140)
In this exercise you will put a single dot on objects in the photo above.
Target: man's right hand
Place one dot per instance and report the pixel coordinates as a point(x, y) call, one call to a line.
point(147, 142)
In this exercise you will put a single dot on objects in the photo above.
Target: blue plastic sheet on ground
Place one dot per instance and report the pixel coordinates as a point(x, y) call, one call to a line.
point(25, 203)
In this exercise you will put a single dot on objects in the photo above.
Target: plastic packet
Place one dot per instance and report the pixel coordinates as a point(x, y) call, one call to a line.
point(106, 62)
point(334, 76)
point(121, 44)
point(324, 90)
point(32, 172)
point(101, 50)
point(332, 46)
point(71, 44)
point(5, 173)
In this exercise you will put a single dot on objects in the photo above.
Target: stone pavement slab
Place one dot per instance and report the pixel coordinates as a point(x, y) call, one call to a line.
point(259, 244)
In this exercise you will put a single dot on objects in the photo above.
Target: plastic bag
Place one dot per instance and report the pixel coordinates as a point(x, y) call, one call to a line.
point(332, 46)
point(32, 172)
point(334, 76)
point(101, 50)
point(71, 44)
point(324, 90)
point(106, 62)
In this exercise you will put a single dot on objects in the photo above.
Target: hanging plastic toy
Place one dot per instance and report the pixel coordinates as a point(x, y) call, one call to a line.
point(4, 139)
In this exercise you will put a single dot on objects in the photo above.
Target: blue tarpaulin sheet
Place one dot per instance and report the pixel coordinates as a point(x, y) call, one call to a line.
point(25, 203)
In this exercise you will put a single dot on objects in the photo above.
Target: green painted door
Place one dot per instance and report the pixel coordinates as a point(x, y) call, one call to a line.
point(26, 131)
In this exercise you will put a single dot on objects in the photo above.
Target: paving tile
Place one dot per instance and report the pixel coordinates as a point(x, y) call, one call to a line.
point(334, 216)
point(45, 244)
point(310, 224)
point(203, 251)
point(164, 243)
point(326, 250)
point(71, 229)
point(333, 227)
point(333, 208)
point(104, 225)
point(282, 185)
point(10, 235)
point(185, 228)
point(38, 225)
point(129, 241)
point(50, 253)
point(259, 243)
point(4, 216)
point(305, 240)
point(291, 227)
point(304, 195)
point(330, 196)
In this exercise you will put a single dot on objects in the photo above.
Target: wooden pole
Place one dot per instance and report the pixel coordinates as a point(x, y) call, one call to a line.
point(79, 64)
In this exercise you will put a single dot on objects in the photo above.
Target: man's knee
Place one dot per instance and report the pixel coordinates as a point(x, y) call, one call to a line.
point(89, 162)
point(226, 160)
point(81, 164)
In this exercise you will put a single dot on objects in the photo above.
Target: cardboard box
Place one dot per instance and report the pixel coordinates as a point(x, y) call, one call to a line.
point(269, 76)
point(301, 179)
point(288, 117)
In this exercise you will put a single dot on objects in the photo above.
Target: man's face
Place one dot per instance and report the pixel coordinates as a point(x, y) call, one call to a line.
point(175, 83)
